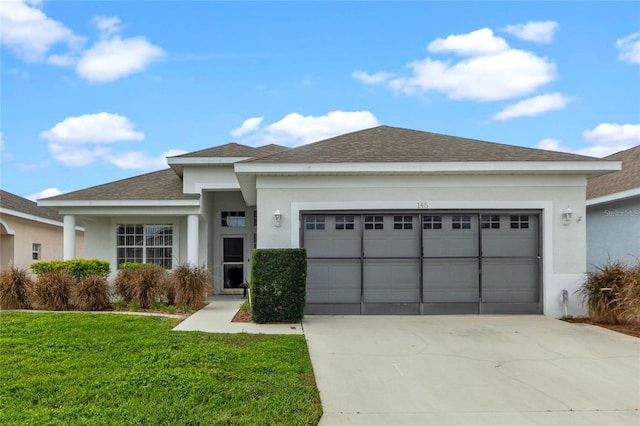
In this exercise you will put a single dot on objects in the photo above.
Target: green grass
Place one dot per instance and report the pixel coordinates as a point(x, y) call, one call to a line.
point(88, 369)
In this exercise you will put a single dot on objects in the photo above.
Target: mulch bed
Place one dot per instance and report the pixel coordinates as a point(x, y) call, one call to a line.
point(242, 316)
point(632, 329)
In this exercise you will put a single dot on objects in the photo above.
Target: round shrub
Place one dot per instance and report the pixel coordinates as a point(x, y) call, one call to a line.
point(14, 287)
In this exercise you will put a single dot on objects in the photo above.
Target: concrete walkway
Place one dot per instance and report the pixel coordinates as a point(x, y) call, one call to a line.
point(217, 315)
point(472, 370)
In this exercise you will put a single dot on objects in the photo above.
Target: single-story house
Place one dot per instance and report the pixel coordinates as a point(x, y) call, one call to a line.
point(29, 233)
point(613, 212)
point(394, 221)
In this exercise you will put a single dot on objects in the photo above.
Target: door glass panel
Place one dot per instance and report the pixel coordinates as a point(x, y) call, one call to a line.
point(233, 276)
point(233, 250)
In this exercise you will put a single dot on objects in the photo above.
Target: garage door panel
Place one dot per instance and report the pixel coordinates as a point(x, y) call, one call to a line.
point(392, 281)
point(451, 235)
point(450, 281)
point(331, 281)
point(391, 236)
point(513, 235)
point(332, 238)
point(510, 281)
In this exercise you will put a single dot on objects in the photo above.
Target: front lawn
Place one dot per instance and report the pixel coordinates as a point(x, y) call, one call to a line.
point(77, 368)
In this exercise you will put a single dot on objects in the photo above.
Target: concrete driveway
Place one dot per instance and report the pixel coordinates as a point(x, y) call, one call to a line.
point(472, 370)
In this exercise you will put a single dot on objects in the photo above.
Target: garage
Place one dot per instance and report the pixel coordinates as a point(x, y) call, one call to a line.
point(423, 262)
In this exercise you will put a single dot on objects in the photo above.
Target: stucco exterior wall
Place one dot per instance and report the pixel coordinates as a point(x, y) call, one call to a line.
point(613, 232)
point(563, 246)
point(198, 178)
point(17, 249)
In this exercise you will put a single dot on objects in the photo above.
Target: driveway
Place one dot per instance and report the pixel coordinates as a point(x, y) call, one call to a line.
point(472, 370)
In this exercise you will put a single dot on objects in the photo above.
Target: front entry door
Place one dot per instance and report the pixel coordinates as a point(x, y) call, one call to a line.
point(233, 262)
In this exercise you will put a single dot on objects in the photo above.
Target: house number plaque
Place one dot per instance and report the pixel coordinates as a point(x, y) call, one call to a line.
point(423, 205)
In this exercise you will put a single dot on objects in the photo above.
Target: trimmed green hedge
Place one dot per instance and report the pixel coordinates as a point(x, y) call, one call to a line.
point(278, 285)
point(78, 268)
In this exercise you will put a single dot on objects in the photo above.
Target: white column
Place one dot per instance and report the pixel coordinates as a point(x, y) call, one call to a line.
point(193, 243)
point(69, 237)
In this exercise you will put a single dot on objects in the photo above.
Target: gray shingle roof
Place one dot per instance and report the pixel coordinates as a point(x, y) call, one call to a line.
point(392, 144)
point(228, 150)
point(14, 202)
point(623, 180)
point(161, 185)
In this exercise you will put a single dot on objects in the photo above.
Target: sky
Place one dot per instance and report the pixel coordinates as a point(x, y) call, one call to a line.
point(96, 91)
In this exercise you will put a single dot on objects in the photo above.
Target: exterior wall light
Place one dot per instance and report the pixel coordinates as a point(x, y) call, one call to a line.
point(566, 216)
point(277, 217)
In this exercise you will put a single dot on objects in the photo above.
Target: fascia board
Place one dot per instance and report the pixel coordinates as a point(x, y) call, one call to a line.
point(616, 196)
point(31, 217)
point(519, 167)
point(204, 161)
point(119, 203)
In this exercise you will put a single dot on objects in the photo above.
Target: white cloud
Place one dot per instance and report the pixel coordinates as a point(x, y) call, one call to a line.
point(249, 125)
point(93, 128)
point(296, 129)
point(45, 193)
point(534, 106)
point(607, 139)
point(552, 145)
point(508, 74)
point(108, 25)
point(139, 160)
point(366, 78)
point(29, 33)
point(541, 32)
point(629, 48)
point(479, 42)
point(110, 60)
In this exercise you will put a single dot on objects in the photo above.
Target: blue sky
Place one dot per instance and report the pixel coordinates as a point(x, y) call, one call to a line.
point(92, 92)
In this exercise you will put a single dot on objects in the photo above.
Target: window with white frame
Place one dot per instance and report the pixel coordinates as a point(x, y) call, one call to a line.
point(35, 251)
point(345, 222)
point(374, 222)
point(145, 244)
point(314, 223)
point(233, 219)
point(403, 222)
point(431, 222)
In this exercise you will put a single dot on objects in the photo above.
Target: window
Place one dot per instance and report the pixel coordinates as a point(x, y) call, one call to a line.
point(145, 244)
point(403, 222)
point(314, 223)
point(344, 222)
point(520, 222)
point(490, 221)
point(461, 222)
point(233, 219)
point(431, 222)
point(374, 222)
point(35, 251)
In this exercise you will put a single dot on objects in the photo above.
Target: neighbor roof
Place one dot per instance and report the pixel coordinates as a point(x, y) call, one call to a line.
point(385, 144)
point(161, 185)
point(16, 203)
point(623, 180)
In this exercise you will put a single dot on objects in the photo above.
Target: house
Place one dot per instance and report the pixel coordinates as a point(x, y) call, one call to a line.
point(613, 212)
point(30, 233)
point(394, 221)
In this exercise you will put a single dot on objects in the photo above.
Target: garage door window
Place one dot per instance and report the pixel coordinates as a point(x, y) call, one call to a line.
point(374, 222)
point(344, 222)
point(520, 222)
point(314, 223)
point(461, 222)
point(432, 222)
point(490, 221)
point(403, 222)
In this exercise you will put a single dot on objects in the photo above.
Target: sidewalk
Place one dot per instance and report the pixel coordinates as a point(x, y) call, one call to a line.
point(217, 315)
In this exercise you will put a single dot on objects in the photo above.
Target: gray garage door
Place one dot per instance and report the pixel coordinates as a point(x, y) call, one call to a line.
point(419, 263)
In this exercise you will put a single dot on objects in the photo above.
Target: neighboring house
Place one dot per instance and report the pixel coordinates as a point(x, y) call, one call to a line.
point(29, 233)
point(393, 220)
point(613, 212)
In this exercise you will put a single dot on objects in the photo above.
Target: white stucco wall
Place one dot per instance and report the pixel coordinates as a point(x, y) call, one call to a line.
point(564, 246)
point(198, 178)
point(613, 232)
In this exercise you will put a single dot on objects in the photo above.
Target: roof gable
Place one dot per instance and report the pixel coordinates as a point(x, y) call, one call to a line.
point(385, 144)
point(627, 178)
point(232, 150)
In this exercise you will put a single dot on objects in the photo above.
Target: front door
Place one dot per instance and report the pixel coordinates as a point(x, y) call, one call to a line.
point(232, 262)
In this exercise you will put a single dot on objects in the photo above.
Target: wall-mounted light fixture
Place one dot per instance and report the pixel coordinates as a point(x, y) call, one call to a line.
point(566, 216)
point(277, 217)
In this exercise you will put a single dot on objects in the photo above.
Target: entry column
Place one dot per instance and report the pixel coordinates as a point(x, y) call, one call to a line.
point(69, 237)
point(193, 242)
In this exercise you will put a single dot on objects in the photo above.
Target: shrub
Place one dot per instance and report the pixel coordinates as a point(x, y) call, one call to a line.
point(52, 290)
point(278, 285)
point(78, 268)
point(611, 292)
point(139, 283)
point(15, 284)
point(92, 294)
point(189, 284)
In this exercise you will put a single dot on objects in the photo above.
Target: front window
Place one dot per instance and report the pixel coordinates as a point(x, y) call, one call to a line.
point(35, 251)
point(233, 219)
point(145, 244)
